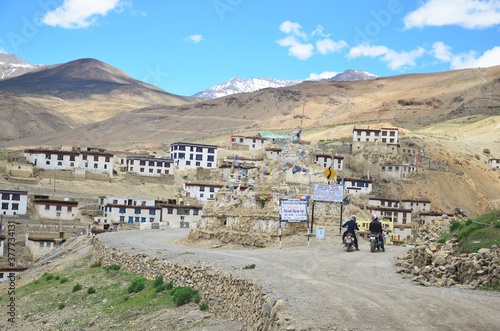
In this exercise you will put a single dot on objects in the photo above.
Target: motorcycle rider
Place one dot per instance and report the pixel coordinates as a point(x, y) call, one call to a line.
point(351, 226)
point(376, 227)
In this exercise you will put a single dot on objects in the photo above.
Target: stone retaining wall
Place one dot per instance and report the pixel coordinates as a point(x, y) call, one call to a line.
point(226, 295)
point(440, 264)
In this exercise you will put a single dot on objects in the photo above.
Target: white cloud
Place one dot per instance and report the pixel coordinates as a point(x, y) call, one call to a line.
point(470, 14)
point(296, 48)
point(323, 75)
point(444, 53)
point(195, 38)
point(395, 60)
point(75, 14)
point(292, 28)
point(326, 46)
point(299, 46)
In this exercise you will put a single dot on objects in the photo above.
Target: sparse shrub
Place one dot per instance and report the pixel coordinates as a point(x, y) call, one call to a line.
point(48, 276)
point(138, 284)
point(57, 277)
point(444, 237)
point(497, 225)
point(61, 305)
point(91, 290)
point(158, 281)
point(456, 225)
point(486, 151)
point(477, 157)
point(77, 287)
point(114, 267)
point(96, 264)
point(249, 266)
point(169, 286)
point(203, 306)
point(63, 280)
point(183, 295)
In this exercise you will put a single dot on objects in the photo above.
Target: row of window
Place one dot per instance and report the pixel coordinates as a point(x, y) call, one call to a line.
point(193, 149)
point(7, 196)
point(5, 206)
point(197, 157)
point(72, 164)
point(59, 208)
point(158, 171)
point(151, 163)
point(73, 158)
point(180, 211)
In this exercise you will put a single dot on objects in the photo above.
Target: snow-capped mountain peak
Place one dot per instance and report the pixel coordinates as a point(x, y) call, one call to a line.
point(243, 85)
point(12, 66)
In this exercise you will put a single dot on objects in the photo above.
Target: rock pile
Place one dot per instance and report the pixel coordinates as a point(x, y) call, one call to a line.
point(431, 263)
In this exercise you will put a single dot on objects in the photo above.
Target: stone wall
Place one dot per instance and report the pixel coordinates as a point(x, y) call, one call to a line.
point(227, 295)
point(440, 264)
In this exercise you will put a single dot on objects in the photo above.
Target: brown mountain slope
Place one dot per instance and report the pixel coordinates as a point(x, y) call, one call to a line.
point(410, 102)
point(73, 94)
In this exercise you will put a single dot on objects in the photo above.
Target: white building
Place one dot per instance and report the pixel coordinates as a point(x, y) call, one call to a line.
point(201, 192)
point(10, 274)
point(91, 160)
point(384, 135)
point(273, 153)
point(417, 205)
point(255, 142)
point(389, 170)
point(356, 186)
point(56, 209)
point(125, 210)
point(181, 216)
point(13, 202)
point(383, 202)
point(328, 160)
point(188, 155)
point(494, 163)
point(395, 215)
point(149, 166)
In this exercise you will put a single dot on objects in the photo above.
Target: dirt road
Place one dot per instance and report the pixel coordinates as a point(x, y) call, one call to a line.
point(326, 288)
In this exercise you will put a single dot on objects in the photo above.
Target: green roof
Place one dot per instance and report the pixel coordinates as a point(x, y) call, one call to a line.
point(274, 135)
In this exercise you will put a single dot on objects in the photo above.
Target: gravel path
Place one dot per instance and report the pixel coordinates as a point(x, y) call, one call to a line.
point(326, 288)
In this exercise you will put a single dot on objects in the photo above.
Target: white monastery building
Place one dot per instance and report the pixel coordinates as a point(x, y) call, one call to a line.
point(188, 155)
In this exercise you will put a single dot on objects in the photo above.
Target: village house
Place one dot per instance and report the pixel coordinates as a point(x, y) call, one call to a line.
point(189, 155)
point(182, 215)
point(13, 202)
point(428, 216)
point(255, 142)
point(386, 136)
point(126, 210)
point(416, 205)
point(383, 202)
point(63, 210)
point(40, 244)
point(201, 192)
point(356, 186)
point(93, 160)
point(10, 273)
point(389, 170)
point(275, 138)
point(273, 153)
point(148, 166)
point(328, 160)
point(494, 163)
point(394, 215)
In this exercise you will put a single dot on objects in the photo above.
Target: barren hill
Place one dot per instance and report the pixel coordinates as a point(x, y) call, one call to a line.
point(61, 97)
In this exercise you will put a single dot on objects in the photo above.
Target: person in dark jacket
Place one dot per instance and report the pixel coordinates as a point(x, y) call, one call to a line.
point(376, 227)
point(351, 226)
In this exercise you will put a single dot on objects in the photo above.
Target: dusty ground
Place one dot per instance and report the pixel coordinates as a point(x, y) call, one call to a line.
point(323, 286)
point(326, 288)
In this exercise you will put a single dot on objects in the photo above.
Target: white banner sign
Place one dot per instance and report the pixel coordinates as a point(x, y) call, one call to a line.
point(293, 210)
point(331, 193)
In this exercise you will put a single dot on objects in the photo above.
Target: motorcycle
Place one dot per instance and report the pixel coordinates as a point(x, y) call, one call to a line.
point(374, 242)
point(349, 241)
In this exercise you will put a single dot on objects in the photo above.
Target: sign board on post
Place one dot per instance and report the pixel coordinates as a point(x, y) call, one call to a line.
point(330, 193)
point(294, 211)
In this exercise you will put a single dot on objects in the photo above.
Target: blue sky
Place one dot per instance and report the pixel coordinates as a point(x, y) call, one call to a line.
point(188, 46)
